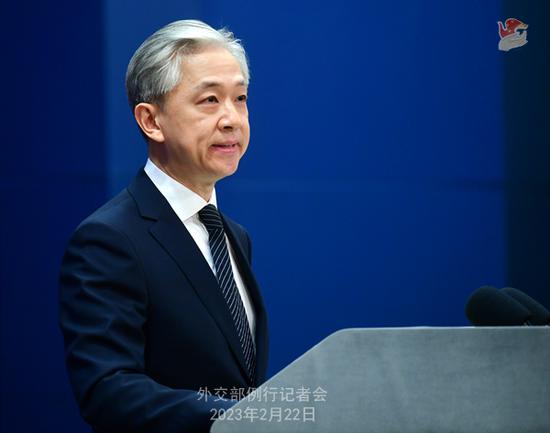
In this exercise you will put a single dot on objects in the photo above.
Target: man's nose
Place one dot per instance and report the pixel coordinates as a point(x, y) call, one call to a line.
point(230, 117)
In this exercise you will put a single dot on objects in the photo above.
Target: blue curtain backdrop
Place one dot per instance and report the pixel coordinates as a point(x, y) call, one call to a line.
point(398, 161)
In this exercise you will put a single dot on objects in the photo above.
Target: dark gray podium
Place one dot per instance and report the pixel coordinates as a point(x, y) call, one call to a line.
point(407, 380)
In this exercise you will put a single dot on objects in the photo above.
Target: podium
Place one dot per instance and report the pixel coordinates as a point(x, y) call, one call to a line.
point(407, 380)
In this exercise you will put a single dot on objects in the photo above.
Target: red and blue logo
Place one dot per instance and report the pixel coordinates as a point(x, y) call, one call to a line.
point(513, 34)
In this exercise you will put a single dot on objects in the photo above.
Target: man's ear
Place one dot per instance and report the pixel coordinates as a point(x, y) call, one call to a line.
point(146, 117)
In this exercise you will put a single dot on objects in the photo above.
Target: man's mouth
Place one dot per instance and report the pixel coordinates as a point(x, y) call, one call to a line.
point(227, 148)
point(228, 145)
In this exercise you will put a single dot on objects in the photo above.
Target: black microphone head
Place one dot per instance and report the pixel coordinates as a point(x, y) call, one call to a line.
point(488, 306)
point(539, 314)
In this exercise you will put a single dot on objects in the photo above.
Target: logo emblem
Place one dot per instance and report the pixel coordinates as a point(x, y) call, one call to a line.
point(513, 34)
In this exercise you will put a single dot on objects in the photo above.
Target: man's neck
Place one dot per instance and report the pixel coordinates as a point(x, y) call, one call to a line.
point(202, 189)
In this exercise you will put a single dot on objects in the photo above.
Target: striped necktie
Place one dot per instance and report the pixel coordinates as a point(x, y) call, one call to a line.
point(211, 219)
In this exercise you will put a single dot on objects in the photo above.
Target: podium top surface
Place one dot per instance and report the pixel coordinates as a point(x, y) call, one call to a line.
point(407, 380)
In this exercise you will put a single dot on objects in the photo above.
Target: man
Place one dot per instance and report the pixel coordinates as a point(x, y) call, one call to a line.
point(157, 297)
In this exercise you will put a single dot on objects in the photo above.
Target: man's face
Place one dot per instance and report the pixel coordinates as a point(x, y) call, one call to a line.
point(204, 119)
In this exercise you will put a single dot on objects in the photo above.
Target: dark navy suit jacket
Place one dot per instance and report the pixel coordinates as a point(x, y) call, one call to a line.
point(144, 322)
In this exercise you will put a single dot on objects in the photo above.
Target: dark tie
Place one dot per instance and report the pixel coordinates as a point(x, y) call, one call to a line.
point(211, 219)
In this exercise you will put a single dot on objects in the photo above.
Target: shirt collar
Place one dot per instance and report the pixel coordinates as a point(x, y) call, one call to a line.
point(183, 201)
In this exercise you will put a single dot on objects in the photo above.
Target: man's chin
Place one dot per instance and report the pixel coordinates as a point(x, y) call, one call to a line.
point(224, 171)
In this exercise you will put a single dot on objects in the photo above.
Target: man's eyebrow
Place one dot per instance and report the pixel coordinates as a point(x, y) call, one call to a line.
point(209, 84)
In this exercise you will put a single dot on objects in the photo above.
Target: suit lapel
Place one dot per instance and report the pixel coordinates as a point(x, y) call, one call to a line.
point(261, 337)
point(170, 232)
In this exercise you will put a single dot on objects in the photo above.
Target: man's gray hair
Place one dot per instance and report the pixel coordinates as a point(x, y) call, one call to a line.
point(154, 69)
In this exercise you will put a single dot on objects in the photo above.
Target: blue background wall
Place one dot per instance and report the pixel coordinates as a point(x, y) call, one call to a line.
point(397, 162)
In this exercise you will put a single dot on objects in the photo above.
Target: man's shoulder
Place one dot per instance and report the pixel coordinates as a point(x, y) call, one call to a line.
point(112, 227)
point(118, 214)
point(238, 228)
point(240, 234)
point(113, 210)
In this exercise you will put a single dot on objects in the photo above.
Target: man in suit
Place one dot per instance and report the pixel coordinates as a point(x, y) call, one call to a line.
point(158, 303)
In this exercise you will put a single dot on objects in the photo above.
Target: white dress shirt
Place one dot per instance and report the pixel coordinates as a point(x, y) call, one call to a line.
point(186, 204)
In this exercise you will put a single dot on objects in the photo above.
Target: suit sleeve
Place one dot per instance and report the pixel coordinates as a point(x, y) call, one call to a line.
point(103, 308)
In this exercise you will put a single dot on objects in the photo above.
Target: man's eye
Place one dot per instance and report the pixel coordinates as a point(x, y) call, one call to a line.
point(211, 99)
point(242, 98)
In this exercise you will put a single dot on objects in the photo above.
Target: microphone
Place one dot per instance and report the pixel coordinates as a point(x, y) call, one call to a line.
point(539, 315)
point(488, 306)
